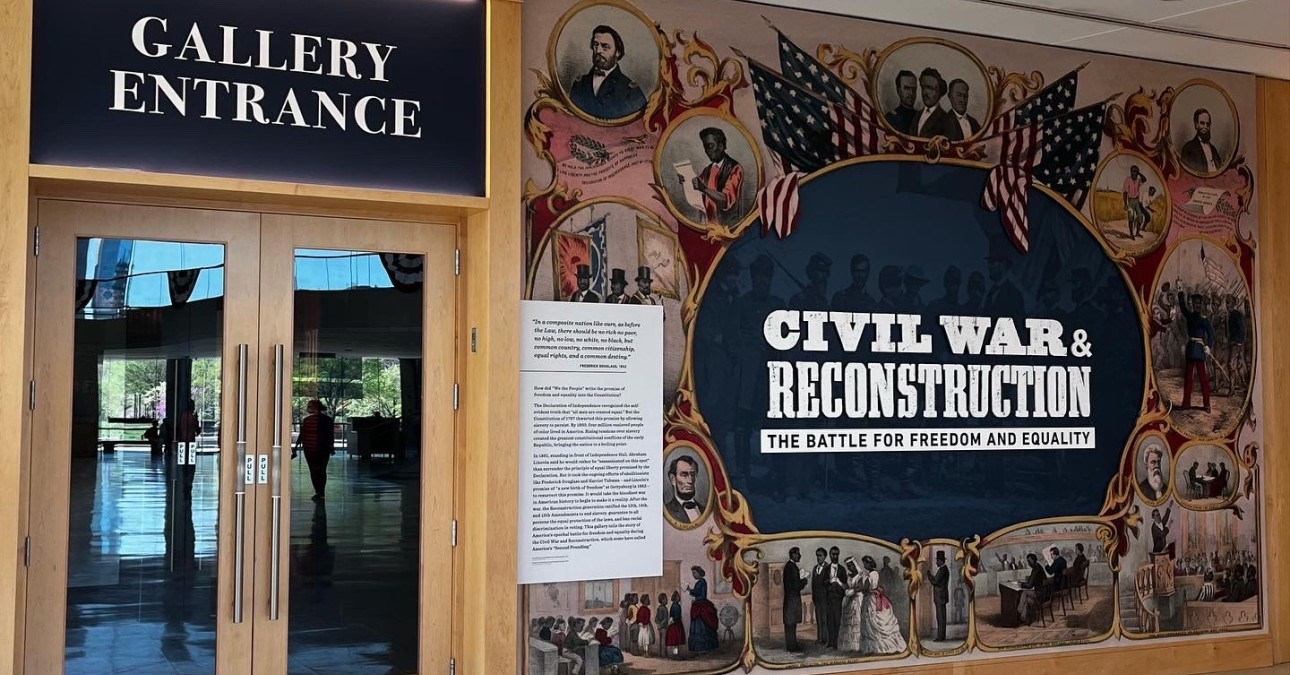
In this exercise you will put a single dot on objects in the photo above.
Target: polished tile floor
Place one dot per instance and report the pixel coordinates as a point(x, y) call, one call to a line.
point(142, 569)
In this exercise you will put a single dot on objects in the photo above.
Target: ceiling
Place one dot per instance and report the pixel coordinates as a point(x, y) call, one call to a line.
point(1250, 36)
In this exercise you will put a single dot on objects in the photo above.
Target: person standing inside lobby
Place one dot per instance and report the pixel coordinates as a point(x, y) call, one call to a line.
point(318, 440)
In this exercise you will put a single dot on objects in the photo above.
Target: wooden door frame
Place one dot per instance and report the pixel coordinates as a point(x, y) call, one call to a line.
point(281, 235)
point(62, 223)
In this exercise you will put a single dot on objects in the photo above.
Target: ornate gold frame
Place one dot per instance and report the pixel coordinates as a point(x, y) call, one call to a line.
point(1164, 186)
point(1244, 410)
point(708, 506)
point(1227, 502)
point(556, 87)
point(1166, 118)
point(1173, 465)
point(876, 71)
point(666, 197)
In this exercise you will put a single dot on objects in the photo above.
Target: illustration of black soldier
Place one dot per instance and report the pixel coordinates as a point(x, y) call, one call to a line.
point(914, 282)
point(891, 289)
point(975, 292)
point(617, 287)
point(584, 292)
point(855, 298)
point(753, 392)
point(813, 294)
point(948, 303)
point(605, 91)
point(718, 347)
point(1200, 342)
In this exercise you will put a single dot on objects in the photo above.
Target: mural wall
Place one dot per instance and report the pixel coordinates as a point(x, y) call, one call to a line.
point(961, 349)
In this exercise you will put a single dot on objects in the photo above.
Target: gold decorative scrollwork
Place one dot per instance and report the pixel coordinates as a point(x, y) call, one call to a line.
point(1013, 88)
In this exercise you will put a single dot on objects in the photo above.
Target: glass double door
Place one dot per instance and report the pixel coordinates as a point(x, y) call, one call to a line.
point(242, 444)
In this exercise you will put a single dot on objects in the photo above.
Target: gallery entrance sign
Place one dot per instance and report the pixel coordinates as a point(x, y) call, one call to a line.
point(379, 94)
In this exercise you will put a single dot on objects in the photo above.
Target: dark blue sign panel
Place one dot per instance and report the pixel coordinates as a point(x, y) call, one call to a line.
point(379, 93)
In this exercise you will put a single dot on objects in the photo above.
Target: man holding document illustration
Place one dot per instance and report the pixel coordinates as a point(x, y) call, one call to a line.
point(717, 187)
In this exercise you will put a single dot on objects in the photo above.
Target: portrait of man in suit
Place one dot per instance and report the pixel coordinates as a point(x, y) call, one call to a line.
point(606, 92)
point(962, 125)
point(904, 115)
point(686, 506)
point(933, 121)
point(1200, 154)
point(1153, 485)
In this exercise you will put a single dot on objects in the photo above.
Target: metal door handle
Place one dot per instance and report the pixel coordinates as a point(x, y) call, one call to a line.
point(275, 548)
point(239, 497)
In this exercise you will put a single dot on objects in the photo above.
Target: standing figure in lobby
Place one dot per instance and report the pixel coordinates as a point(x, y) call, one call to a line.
point(606, 92)
point(703, 614)
point(794, 582)
point(318, 440)
point(879, 629)
point(940, 581)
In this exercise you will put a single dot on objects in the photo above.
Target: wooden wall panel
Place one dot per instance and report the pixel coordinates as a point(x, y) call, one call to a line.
point(1274, 279)
point(15, 95)
point(488, 459)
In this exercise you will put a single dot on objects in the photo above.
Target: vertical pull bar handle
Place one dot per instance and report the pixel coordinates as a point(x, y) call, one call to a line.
point(239, 496)
point(275, 547)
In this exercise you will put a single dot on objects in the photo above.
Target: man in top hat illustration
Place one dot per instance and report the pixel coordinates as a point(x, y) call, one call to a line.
point(605, 91)
point(617, 287)
point(645, 294)
point(1003, 298)
point(940, 580)
point(584, 292)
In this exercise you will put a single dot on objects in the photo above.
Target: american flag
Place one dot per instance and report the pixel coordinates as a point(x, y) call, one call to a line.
point(779, 205)
point(1007, 187)
point(855, 120)
point(1056, 99)
point(598, 253)
point(1071, 147)
point(795, 123)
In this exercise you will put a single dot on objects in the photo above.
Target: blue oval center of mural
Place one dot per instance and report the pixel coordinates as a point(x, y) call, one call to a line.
point(917, 237)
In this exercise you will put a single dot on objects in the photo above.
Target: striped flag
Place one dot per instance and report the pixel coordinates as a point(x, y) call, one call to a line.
point(854, 118)
point(780, 205)
point(599, 253)
point(1007, 187)
point(1213, 271)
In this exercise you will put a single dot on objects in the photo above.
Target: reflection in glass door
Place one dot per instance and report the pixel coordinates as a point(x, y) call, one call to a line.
point(145, 487)
point(355, 462)
point(139, 365)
